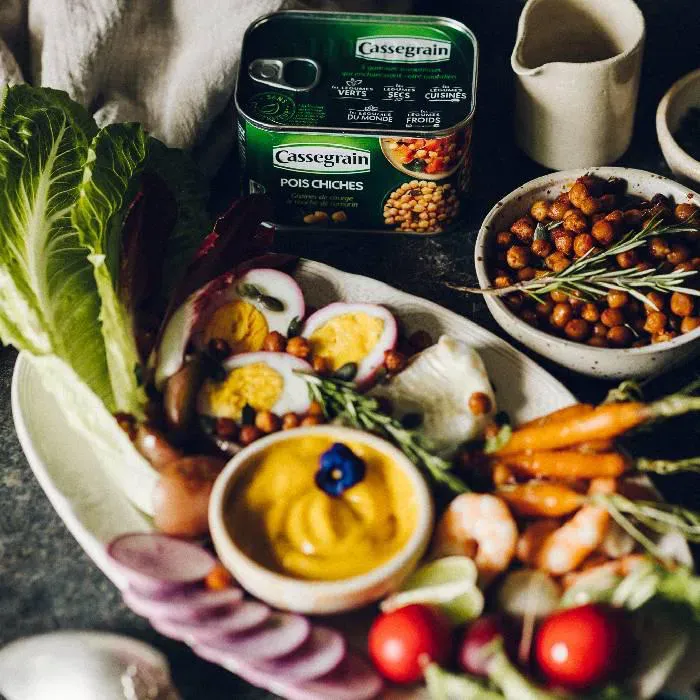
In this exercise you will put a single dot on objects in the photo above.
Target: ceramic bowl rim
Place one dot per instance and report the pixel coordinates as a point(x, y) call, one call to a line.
point(416, 543)
point(554, 179)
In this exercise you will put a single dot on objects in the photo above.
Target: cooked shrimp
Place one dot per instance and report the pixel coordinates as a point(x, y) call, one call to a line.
point(566, 548)
point(481, 526)
point(616, 567)
point(530, 542)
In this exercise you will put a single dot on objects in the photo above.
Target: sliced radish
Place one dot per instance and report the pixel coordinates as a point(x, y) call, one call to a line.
point(282, 634)
point(243, 618)
point(293, 396)
point(153, 562)
point(322, 653)
point(188, 323)
point(354, 679)
point(185, 606)
point(367, 364)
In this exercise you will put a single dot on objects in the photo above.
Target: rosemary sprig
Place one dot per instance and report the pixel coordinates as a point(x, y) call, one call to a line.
point(591, 275)
point(340, 399)
point(667, 466)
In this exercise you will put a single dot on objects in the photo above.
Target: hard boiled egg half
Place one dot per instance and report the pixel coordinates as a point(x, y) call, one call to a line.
point(437, 385)
point(241, 311)
point(344, 332)
point(267, 381)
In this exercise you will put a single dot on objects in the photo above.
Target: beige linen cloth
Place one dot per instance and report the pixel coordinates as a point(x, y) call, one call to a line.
point(169, 64)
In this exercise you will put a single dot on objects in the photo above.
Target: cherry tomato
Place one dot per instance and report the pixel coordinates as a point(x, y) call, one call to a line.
point(581, 647)
point(402, 642)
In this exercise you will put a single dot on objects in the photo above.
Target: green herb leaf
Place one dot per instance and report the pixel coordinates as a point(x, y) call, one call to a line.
point(347, 372)
point(493, 444)
point(541, 232)
point(294, 329)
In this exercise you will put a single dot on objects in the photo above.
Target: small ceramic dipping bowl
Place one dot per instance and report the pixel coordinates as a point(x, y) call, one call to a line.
point(682, 96)
point(312, 596)
point(603, 363)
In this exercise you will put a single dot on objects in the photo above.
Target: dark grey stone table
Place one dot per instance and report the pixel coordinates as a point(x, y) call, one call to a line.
point(47, 582)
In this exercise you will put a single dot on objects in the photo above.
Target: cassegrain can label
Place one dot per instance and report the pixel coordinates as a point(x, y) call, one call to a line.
point(358, 122)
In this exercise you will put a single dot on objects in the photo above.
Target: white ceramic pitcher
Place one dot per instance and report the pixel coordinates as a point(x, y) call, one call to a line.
point(577, 66)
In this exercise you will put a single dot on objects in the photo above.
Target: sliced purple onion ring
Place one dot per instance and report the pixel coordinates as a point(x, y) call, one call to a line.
point(243, 618)
point(185, 606)
point(354, 679)
point(158, 563)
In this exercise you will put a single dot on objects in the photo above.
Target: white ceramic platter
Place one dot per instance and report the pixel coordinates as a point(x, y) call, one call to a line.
point(95, 510)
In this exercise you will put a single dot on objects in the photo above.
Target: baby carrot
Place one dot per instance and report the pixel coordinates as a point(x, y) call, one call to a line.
point(541, 499)
point(567, 413)
point(602, 423)
point(567, 464)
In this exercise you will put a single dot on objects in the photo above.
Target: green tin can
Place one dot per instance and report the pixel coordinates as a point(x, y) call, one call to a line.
point(358, 121)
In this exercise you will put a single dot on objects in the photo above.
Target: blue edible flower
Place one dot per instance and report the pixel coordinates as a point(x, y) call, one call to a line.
point(340, 469)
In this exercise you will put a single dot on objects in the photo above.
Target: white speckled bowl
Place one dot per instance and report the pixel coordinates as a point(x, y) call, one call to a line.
point(604, 363)
point(682, 95)
point(318, 597)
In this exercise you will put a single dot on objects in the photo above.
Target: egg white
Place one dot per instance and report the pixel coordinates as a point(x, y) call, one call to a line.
point(437, 384)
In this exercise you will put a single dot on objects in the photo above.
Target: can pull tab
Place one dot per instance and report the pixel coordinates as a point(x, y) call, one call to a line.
point(294, 73)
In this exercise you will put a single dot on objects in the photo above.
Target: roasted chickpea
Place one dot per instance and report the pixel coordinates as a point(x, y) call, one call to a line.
point(664, 337)
point(633, 217)
point(603, 232)
point(530, 317)
point(607, 202)
point(659, 248)
point(299, 347)
point(616, 218)
point(514, 301)
point(682, 304)
point(540, 210)
point(617, 299)
point(577, 329)
point(657, 299)
point(544, 308)
point(684, 267)
point(274, 342)
point(320, 364)
point(557, 297)
point(315, 409)
point(561, 315)
point(479, 403)
point(590, 206)
point(656, 322)
point(577, 304)
point(290, 420)
point(267, 422)
point(684, 211)
point(518, 257)
point(226, 428)
point(583, 243)
point(394, 361)
point(600, 330)
point(590, 313)
point(311, 420)
point(504, 239)
point(541, 248)
point(690, 323)
point(612, 317)
point(526, 274)
point(420, 340)
point(557, 261)
point(502, 281)
point(597, 341)
point(620, 336)
point(578, 194)
point(559, 207)
point(678, 254)
point(563, 242)
point(627, 259)
point(575, 222)
point(248, 434)
point(524, 229)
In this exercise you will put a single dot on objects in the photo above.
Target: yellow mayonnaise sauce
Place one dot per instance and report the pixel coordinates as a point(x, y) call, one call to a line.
point(256, 384)
point(240, 324)
point(279, 517)
point(346, 338)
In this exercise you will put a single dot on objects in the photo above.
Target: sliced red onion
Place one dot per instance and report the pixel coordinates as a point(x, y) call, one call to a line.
point(159, 563)
point(243, 618)
point(322, 653)
point(282, 634)
point(184, 606)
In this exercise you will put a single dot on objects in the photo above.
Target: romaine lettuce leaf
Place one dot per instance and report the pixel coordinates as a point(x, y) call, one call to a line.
point(48, 296)
point(110, 178)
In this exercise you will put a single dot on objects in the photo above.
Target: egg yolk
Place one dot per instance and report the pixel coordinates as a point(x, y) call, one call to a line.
point(240, 324)
point(346, 338)
point(256, 384)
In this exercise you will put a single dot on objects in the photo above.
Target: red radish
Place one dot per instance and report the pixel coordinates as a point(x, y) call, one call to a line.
point(474, 656)
point(403, 641)
point(580, 648)
point(158, 563)
point(244, 617)
point(181, 496)
point(367, 366)
point(322, 653)
point(280, 635)
point(185, 606)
